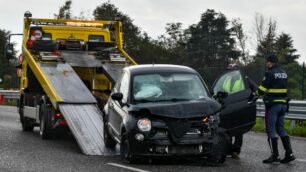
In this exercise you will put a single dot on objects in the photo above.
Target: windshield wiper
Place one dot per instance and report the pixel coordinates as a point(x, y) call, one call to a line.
point(174, 100)
point(144, 101)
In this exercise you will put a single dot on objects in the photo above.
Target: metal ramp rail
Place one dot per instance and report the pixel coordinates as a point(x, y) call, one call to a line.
point(86, 124)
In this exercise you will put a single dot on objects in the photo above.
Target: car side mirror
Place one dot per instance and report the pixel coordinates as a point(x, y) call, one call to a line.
point(219, 96)
point(222, 94)
point(9, 51)
point(117, 96)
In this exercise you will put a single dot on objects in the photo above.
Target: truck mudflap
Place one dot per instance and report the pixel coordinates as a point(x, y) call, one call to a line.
point(86, 124)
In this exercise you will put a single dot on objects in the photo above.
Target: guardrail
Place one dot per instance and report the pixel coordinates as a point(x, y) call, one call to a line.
point(297, 110)
point(9, 94)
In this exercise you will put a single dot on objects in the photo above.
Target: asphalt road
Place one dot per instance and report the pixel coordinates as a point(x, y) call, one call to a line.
point(25, 151)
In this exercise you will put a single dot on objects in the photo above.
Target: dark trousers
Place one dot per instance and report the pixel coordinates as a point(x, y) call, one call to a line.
point(237, 143)
point(275, 119)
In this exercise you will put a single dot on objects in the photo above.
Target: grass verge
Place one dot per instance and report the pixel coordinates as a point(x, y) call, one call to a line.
point(298, 130)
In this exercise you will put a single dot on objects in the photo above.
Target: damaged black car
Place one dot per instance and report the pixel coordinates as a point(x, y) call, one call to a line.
point(165, 110)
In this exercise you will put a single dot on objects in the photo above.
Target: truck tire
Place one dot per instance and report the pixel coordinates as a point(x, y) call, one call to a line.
point(45, 131)
point(220, 149)
point(26, 123)
point(109, 142)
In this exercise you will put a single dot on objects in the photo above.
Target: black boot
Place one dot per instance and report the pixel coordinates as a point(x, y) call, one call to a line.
point(287, 146)
point(274, 150)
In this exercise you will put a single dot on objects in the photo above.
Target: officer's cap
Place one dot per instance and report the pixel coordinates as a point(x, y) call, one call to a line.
point(272, 58)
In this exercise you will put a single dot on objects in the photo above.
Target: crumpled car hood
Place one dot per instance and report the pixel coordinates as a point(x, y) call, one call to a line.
point(179, 109)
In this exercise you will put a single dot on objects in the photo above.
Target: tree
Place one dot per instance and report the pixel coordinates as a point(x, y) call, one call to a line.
point(285, 50)
point(267, 44)
point(64, 11)
point(259, 28)
point(174, 37)
point(174, 43)
point(241, 38)
point(131, 33)
point(7, 72)
point(210, 41)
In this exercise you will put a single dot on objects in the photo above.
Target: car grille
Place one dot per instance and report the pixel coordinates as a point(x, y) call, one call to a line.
point(198, 129)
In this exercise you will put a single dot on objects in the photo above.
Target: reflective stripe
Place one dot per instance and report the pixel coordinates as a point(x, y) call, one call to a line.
point(280, 100)
point(257, 93)
point(262, 88)
point(277, 90)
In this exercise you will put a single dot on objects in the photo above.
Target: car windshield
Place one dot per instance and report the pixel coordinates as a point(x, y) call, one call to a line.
point(167, 87)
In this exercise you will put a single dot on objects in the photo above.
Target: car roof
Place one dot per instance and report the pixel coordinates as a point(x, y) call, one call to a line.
point(153, 68)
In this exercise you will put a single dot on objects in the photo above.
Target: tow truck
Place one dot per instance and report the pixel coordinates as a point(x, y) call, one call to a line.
point(67, 70)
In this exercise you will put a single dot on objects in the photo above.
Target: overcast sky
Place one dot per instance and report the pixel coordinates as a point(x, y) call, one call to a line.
point(152, 15)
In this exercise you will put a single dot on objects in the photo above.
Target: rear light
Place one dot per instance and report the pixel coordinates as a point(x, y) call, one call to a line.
point(62, 42)
point(57, 53)
point(62, 122)
point(30, 44)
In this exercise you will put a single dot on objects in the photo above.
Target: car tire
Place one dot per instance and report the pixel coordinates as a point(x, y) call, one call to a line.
point(45, 131)
point(219, 149)
point(109, 142)
point(125, 151)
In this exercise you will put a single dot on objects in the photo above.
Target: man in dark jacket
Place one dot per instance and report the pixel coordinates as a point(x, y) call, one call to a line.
point(274, 90)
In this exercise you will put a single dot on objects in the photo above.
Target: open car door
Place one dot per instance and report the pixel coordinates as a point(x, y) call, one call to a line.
point(238, 115)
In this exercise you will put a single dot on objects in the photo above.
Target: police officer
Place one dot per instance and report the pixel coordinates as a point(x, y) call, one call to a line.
point(274, 91)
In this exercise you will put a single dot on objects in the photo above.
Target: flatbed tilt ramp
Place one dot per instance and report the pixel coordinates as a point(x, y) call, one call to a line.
point(78, 107)
point(75, 63)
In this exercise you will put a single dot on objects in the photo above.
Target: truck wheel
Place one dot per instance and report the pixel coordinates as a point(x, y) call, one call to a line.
point(125, 150)
point(219, 149)
point(27, 124)
point(44, 123)
point(108, 140)
point(20, 108)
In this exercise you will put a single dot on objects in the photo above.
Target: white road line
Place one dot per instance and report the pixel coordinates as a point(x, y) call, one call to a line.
point(301, 160)
point(127, 167)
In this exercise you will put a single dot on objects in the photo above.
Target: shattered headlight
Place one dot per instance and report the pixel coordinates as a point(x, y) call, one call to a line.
point(144, 124)
point(215, 118)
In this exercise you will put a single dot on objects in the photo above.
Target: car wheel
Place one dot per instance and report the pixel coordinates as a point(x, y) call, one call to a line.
point(108, 140)
point(125, 151)
point(44, 127)
point(220, 149)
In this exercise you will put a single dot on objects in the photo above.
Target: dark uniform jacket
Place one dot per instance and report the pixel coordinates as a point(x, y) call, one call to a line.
point(274, 86)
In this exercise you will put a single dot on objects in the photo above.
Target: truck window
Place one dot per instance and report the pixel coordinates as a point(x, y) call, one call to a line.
point(96, 38)
point(46, 37)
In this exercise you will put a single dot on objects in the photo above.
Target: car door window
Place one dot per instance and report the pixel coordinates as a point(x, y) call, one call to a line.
point(231, 82)
point(124, 86)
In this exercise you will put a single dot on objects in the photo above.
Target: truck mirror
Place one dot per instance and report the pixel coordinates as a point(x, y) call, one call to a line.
point(9, 51)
